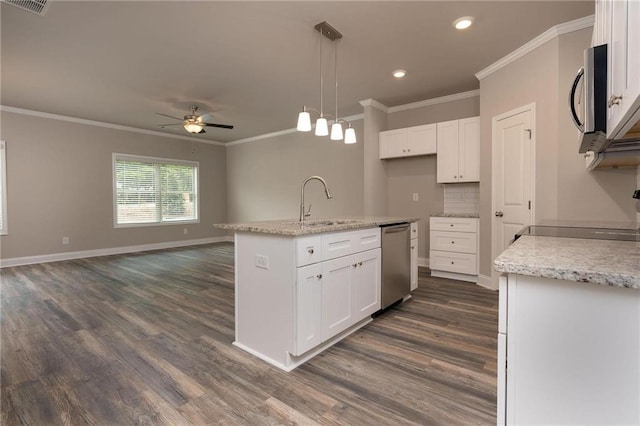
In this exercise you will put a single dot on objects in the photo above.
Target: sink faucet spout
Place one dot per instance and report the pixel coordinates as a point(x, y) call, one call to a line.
point(304, 214)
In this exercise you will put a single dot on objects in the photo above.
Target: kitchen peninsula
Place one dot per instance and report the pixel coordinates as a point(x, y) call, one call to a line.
point(300, 288)
point(569, 328)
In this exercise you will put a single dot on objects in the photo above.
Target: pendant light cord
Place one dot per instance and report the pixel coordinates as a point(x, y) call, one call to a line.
point(335, 70)
point(321, 79)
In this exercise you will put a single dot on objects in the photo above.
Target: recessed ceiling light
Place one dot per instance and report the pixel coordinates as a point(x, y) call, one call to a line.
point(399, 73)
point(464, 22)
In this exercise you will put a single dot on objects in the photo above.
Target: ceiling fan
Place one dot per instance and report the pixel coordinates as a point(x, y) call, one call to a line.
point(193, 123)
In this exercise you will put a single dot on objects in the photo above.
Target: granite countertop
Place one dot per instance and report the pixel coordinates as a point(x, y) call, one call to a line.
point(313, 226)
point(463, 215)
point(605, 262)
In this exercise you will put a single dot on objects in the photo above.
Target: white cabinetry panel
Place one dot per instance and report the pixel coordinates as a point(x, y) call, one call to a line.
point(458, 157)
point(408, 141)
point(308, 308)
point(454, 247)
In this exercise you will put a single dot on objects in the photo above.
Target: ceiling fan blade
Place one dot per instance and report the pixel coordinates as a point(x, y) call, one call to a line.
point(222, 126)
point(201, 131)
point(172, 124)
point(170, 116)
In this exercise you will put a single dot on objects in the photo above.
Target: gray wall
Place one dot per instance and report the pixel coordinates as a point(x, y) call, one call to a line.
point(264, 177)
point(565, 190)
point(418, 174)
point(59, 183)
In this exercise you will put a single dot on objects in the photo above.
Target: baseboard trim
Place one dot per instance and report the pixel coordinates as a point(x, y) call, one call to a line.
point(56, 257)
point(455, 276)
point(486, 282)
point(423, 261)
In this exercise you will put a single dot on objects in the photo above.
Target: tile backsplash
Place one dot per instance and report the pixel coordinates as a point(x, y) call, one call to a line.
point(462, 197)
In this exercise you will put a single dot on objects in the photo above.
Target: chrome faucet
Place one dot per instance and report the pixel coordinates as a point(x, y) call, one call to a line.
point(304, 214)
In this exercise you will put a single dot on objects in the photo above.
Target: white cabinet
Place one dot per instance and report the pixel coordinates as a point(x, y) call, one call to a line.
point(308, 308)
point(458, 152)
point(568, 353)
point(414, 255)
point(453, 248)
point(621, 18)
point(409, 141)
point(295, 296)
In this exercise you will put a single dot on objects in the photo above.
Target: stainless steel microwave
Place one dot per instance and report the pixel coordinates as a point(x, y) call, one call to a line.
point(590, 115)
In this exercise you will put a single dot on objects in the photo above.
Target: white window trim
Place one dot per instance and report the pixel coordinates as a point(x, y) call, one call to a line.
point(3, 164)
point(130, 157)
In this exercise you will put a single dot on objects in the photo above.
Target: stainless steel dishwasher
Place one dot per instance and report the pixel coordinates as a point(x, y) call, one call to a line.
point(396, 263)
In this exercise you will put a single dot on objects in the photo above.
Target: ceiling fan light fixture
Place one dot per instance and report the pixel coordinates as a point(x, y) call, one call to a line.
point(193, 127)
point(304, 121)
point(336, 131)
point(399, 73)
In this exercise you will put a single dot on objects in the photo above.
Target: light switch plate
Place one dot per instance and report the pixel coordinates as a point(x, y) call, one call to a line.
point(415, 196)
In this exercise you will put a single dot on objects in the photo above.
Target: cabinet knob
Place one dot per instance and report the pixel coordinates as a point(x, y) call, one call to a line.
point(614, 100)
point(355, 265)
point(359, 263)
point(310, 251)
point(319, 276)
point(499, 214)
point(412, 247)
point(451, 225)
point(453, 242)
point(452, 262)
point(460, 176)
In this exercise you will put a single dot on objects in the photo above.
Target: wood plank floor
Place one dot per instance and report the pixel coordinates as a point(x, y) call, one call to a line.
point(146, 339)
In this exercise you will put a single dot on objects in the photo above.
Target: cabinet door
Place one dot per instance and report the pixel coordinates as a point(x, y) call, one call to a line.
point(469, 150)
point(447, 159)
point(393, 143)
point(337, 304)
point(421, 140)
point(624, 66)
point(308, 325)
point(414, 264)
point(366, 284)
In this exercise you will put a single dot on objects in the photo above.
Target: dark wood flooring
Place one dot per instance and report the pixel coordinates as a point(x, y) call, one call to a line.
point(146, 339)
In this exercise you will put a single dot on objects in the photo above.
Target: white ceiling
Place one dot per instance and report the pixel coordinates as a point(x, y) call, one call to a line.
point(252, 64)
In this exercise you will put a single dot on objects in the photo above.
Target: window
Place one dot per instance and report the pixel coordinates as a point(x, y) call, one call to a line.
point(154, 190)
point(3, 188)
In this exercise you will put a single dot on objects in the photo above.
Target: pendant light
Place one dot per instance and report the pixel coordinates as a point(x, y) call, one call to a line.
point(322, 125)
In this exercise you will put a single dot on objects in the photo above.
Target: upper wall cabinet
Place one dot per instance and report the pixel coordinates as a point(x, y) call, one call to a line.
point(459, 151)
point(618, 25)
point(410, 141)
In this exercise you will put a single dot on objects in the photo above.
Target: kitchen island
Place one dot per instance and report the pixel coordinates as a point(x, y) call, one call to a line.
point(300, 288)
point(569, 331)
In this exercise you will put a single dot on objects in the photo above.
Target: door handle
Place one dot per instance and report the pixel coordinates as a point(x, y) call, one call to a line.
point(499, 214)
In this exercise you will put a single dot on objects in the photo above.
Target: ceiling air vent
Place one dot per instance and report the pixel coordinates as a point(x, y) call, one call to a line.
point(38, 7)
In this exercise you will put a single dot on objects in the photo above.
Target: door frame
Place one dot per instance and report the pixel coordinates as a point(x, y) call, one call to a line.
point(494, 183)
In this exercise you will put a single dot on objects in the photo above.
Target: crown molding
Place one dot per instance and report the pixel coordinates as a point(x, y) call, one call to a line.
point(375, 104)
point(435, 101)
point(102, 124)
point(550, 34)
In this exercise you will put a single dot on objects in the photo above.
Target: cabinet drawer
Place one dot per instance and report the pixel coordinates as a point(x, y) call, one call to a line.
point(349, 242)
point(460, 242)
point(461, 263)
point(456, 224)
point(414, 230)
point(308, 250)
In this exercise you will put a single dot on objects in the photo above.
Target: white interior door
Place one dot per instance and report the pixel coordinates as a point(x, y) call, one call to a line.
point(513, 151)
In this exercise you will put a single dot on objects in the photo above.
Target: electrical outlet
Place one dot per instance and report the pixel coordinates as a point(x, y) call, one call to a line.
point(262, 261)
point(415, 196)
point(65, 240)
point(185, 231)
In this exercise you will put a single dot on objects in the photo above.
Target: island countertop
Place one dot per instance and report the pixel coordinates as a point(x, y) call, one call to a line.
point(292, 227)
point(604, 262)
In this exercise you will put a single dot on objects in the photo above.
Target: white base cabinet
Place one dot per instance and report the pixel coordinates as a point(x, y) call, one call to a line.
point(295, 296)
point(414, 255)
point(568, 353)
point(453, 248)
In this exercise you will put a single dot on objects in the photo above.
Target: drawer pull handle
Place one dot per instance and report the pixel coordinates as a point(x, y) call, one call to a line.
point(319, 276)
point(310, 251)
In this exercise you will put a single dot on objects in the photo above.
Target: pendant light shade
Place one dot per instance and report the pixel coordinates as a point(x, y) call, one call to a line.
point(304, 121)
point(350, 135)
point(322, 128)
point(336, 131)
